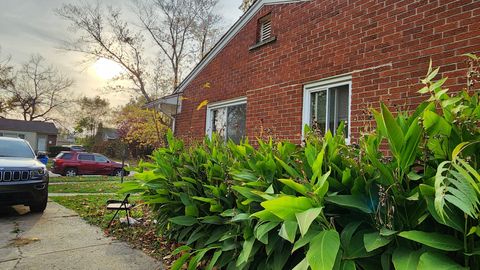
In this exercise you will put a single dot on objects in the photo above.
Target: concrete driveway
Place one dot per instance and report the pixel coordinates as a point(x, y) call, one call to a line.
point(60, 239)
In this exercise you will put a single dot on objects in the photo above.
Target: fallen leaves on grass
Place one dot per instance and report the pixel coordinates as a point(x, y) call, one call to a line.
point(144, 236)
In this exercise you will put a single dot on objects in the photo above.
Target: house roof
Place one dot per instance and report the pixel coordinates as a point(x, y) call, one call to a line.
point(28, 126)
point(110, 133)
point(231, 33)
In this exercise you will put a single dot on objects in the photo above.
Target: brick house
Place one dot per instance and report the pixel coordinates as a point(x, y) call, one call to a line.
point(287, 63)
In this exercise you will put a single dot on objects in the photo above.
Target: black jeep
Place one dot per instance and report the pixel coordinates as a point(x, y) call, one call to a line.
point(23, 179)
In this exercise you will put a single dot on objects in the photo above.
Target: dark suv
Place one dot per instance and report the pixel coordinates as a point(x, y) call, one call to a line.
point(23, 179)
point(71, 163)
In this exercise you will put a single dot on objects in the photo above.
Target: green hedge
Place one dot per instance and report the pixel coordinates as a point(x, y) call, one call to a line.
point(328, 205)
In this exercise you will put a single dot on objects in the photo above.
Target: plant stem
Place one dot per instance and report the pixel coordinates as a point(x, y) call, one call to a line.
point(465, 244)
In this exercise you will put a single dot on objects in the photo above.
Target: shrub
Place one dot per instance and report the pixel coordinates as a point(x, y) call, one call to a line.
point(328, 205)
point(53, 151)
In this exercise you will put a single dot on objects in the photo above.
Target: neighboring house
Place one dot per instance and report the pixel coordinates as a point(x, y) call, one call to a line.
point(65, 138)
point(40, 135)
point(109, 134)
point(287, 63)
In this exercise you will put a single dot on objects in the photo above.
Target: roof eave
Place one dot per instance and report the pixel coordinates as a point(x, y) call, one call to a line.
point(228, 36)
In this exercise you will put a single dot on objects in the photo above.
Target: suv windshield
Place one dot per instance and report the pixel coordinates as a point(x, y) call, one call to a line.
point(15, 149)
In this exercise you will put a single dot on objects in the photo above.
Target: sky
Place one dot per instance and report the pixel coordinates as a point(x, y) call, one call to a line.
point(31, 27)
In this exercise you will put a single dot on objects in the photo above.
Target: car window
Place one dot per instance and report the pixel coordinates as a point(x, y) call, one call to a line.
point(85, 157)
point(16, 148)
point(101, 159)
point(64, 156)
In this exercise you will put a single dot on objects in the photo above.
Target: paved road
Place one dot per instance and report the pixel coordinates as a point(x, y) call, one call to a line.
point(60, 239)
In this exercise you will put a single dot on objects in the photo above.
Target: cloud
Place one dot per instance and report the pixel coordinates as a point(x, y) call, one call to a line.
point(31, 26)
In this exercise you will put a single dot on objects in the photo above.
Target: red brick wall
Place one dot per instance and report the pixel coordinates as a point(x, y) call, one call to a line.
point(385, 45)
point(53, 139)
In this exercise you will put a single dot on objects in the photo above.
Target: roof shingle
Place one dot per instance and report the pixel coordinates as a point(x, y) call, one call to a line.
point(28, 126)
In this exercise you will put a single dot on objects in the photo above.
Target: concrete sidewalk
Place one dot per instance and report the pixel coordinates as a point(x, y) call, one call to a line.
point(60, 239)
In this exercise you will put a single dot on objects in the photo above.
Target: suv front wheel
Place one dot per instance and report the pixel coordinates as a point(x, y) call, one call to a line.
point(39, 206)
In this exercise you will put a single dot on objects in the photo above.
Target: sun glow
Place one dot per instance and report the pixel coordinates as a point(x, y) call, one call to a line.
point(107, 69)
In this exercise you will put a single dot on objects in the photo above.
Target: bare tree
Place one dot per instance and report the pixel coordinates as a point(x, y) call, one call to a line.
point(206, 28)
point(6, 81)
point(104, 34)
point(246, 4)
point(39, 90)
point(175, 25)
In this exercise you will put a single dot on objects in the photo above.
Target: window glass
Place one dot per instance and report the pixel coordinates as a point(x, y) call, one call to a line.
point(236, 122)
point(86, 157)
point(219, 121)
point(64, 156)
point(15, 148)
point(21, 136)
point(229, 121)
point(328, 108)
point(101, 159)
point(318, 112)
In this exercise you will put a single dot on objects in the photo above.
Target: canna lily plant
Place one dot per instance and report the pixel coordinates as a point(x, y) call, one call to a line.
point(406, 197)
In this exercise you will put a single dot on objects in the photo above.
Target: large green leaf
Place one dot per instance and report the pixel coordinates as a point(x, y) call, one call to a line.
point(214, 259)
point(348, 265)
point(410, 147)
point(306, 218)
point(351, 201)
point(455, 185)
point(177, 265)
point(323, 250)
point(435, 240)
point(405, 259)
point(317, 165)
point(261, 231)
point(435, 124)
point(394, 134)
point(285, 207)
point(183, 220)
point(288, 231)
point(300, 188)
point(374, 240)
point(303, 265)
point(291, 171)
point(304, 240)
point(347, 233)
point(246, 251)
point(430, 260)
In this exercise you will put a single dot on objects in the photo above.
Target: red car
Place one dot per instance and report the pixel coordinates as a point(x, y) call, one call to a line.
point(70, 163)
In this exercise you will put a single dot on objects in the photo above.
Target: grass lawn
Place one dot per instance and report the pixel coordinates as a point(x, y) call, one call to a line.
point(143, 236)
point(86, 179)
point(86, 187)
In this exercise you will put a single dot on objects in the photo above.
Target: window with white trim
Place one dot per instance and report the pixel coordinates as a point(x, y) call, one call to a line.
point(227, 119)
point(326, 104)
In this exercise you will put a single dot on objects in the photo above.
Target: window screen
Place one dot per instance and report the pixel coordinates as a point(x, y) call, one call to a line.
point(229, 121)
point(329, 107)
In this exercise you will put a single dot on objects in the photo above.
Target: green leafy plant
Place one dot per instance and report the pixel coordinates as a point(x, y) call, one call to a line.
point(407, 197)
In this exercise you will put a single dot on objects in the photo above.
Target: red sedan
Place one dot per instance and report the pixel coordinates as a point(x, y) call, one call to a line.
point(69, 163)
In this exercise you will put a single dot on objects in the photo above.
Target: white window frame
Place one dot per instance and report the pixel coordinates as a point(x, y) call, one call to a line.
point(324, 85)
point(217, 105)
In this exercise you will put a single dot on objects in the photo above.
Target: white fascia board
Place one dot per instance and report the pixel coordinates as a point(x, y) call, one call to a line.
point(231, 33)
